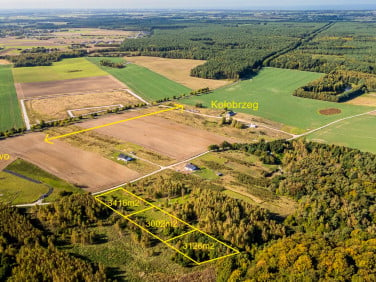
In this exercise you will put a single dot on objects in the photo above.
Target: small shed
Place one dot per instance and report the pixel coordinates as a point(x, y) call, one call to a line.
point(191, 167)
point(231, 113)
point(124, 158)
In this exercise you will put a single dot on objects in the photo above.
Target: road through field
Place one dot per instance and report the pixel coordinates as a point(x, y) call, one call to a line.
point(154, 172)
point(331, 123)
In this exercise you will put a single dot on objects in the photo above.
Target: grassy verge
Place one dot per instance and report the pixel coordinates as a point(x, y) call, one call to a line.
point(10, 113)
point(15, 190)
point(127, 259)
point(27, 169)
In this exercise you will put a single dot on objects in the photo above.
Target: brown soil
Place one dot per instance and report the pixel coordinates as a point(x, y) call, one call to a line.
point(56, 107)
point(158, 134)
point(4, 62)
point(86, 169)
point(62, 39)
point(330, 111)
point(364, 100)
point(178, 70)
point(34, 89)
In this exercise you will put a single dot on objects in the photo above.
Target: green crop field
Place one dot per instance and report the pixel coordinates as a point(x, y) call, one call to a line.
point(149, 85)
point(16, 190)
point(272, 88)
point(358, 132)
point(27, 169)
point(10, 114)
point(65, 69)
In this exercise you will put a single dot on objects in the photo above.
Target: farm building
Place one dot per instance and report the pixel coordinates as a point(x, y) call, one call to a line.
point(231, 113)
point(124, 158)
point(191, 167)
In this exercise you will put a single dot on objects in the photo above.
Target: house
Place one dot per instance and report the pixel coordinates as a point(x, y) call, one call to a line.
point(124, 158)
point(191, 167)
point(231, 113)
point(252, 125)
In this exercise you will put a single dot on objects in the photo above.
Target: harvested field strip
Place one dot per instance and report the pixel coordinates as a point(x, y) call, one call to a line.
point(77, 85)
point(178, 70)
point(149, 85)
point(105, 146)
point(155, 133)
point(10, 114)
point(52, 108)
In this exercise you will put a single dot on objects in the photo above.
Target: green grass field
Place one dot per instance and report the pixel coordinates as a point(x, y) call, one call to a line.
point(272, 88)
point(149, 85)
point(10, 113)
point(358, 132)
point(65, 69)
point(15, 190)
point(128, 258)
point(34, 172)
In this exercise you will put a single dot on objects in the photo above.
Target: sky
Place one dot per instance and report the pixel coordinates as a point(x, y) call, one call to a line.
point(193, 4)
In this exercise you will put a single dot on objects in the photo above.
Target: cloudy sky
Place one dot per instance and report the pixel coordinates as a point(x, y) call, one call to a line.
point(199, 4)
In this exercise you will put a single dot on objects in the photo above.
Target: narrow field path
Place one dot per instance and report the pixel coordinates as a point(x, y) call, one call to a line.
point(331, 123)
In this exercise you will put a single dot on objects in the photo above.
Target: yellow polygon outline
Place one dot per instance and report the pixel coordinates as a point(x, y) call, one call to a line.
point(48, 139)
point(194, 229)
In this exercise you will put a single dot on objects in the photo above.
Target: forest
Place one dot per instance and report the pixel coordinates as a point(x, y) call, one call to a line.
point(233, 51)
point(344, 46)
point(29, 252)
point(42, 57)
point(238, 51)
point(338, 86)
point(330, 236)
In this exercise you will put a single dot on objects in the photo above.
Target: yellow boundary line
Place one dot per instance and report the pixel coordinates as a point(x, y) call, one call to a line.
point(157, 237)
point(48, 140)
point(136, 212)
point(181, 220)
point(236, 252)
point(181, 235)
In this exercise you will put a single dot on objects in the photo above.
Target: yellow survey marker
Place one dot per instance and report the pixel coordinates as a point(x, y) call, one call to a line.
point(48, 139)
point(180, 243)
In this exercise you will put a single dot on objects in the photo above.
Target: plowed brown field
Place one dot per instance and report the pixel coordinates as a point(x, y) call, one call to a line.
point(33, 89)
point(85, 169)
point(158, 134)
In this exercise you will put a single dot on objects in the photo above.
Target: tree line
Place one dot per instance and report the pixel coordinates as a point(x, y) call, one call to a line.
point(338, 86)
point(42, 58)
point(231, 51)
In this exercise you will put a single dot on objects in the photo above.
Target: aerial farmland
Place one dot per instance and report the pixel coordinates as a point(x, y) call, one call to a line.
point(187, 145)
